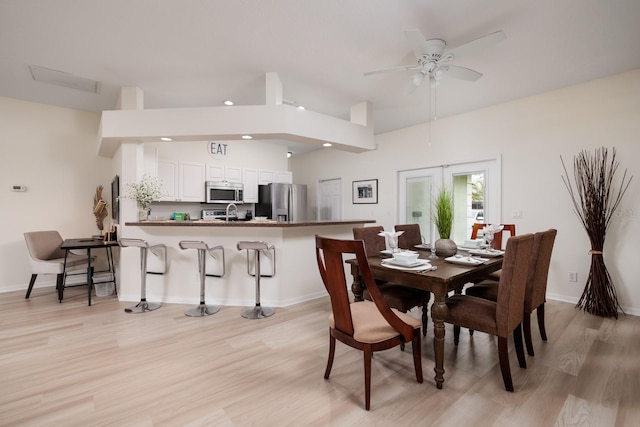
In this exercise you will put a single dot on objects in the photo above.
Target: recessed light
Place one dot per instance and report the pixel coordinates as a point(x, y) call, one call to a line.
point(301, 107)
point(289, 154)
point(227, 102)
point(164, 138)
point(247, 137)
point(326, 144)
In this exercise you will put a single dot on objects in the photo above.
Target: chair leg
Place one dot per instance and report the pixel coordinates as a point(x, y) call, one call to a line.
point(31, 283)
point(526, 328)
point(417, 357)
point(456, 334)
point(540, 313)
point(503, 356)
point(425, 319)
point(367, 377)
point(517, 339)
point(60, 286)
point(332, 350)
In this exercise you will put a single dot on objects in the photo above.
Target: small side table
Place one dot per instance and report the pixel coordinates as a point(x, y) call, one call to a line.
point(88, 244)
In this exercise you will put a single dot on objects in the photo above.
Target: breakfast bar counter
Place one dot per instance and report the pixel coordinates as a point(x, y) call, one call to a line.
point(296, 277)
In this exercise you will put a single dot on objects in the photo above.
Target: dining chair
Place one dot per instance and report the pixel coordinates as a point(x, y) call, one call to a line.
point(368, 326)
point(46, 257)
point(397, 295)
point(411, 236)
point(497, 237)
point(536, 289)
point(503, 316)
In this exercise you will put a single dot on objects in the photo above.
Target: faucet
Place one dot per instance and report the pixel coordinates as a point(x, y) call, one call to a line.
point(235, 210)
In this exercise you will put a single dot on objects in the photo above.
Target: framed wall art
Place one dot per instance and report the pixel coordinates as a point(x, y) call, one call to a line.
point(365, 191)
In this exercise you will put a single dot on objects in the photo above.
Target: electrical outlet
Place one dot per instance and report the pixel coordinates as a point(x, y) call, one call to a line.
point(573, 276)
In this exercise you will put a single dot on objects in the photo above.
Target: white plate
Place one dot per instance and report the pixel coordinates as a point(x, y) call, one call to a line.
point(423, 246)
point(465, 260)
point(417, 263)
point(388, 252)
point(475, 248)
point(487, 253)
point(421, 267)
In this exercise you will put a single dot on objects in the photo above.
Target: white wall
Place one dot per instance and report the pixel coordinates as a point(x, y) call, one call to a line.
point(52, 151)
point(531, 134)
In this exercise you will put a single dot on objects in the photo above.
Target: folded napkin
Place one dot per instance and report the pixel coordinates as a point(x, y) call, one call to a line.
point(493, 228)
point(390, 233)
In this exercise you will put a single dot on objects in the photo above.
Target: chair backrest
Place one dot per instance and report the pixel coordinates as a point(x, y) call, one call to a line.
point(411, 236)
point(44, 245)
point(497, 237)
point(373, 243)
point(513, 282)
point(329, 254)
point(539, 269)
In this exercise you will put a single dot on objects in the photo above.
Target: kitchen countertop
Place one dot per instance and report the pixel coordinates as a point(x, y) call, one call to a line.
point(253, 223)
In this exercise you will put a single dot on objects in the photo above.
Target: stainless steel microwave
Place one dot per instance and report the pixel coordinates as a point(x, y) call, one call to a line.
point(224, 192)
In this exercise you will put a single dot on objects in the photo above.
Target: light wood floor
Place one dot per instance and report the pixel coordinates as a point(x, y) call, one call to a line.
point(73, 365)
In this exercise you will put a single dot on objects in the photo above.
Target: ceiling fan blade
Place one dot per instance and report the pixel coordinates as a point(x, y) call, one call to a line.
point(417, 42)
point(477, 44)
point(457, 72)
point(390, 69)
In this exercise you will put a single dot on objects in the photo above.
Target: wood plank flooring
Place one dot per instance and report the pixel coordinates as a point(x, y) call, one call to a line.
point(73, 365)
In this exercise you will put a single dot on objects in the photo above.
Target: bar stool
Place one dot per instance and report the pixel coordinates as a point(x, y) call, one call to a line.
point(257, 312)
point(203, 309)
point(157, 249)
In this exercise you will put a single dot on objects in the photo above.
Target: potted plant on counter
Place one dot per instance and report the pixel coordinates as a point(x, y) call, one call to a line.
point(149, 189)
point(442, 215)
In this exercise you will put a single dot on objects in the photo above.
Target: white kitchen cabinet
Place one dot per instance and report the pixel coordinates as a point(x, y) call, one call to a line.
point(168, 177)
point(284, 177)
point(181, 181)
point(191, 182)
point(216, 172)
point(266, 176)
point(250, 183)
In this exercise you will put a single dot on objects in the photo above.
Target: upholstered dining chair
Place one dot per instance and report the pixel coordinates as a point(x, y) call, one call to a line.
point(504, 316)
point(398, 296)
point(411, 236)
point(536, 289)
point(369, 326)
point(46, 257)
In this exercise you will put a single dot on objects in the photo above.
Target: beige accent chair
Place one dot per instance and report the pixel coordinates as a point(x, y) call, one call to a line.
point(366, 325)
point(46, 257)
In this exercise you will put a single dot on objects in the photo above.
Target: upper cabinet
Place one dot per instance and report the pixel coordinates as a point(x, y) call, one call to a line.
point(266, 176)
point(181, 181)
point(216, 172)
point(250, 184)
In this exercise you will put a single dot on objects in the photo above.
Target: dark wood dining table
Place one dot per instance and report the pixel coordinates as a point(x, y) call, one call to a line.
point(446, 278)
point(88, 244)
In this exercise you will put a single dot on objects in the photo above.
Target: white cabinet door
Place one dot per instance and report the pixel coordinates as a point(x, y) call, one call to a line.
point(168, 177)
point(233, 174)
point(250, 182)
point(266, 176)
point(192, 182)
point(215, 172)
point(284, 177)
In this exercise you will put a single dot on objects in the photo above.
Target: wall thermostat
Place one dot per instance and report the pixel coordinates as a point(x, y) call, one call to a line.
point(19, 188)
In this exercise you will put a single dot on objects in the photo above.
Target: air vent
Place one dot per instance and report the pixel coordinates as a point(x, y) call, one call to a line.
point(60, 78)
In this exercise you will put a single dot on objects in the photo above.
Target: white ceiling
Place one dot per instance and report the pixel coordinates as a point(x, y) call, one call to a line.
point(196, 53)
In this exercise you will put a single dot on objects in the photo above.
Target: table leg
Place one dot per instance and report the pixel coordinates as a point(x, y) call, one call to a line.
point(356, 286)
point(89, 278)
point(438, 315)
point(112, 268)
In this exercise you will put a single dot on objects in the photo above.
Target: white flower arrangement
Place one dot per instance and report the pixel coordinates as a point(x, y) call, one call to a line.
point(146, 191)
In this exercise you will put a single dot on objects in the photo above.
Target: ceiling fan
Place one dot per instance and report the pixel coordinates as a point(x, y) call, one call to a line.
point(435, 63)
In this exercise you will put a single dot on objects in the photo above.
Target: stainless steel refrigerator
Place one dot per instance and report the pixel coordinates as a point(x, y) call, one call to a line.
point(282, 202)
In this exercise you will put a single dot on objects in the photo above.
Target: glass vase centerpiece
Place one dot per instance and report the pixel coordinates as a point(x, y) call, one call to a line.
point(148, 190)
point(392, 239)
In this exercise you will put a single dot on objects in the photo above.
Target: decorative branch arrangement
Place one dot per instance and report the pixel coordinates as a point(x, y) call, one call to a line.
point(99, 208)
point(595, 200)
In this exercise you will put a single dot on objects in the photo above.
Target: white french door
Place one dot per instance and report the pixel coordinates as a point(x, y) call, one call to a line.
point(330, 199)
point(476, 191)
